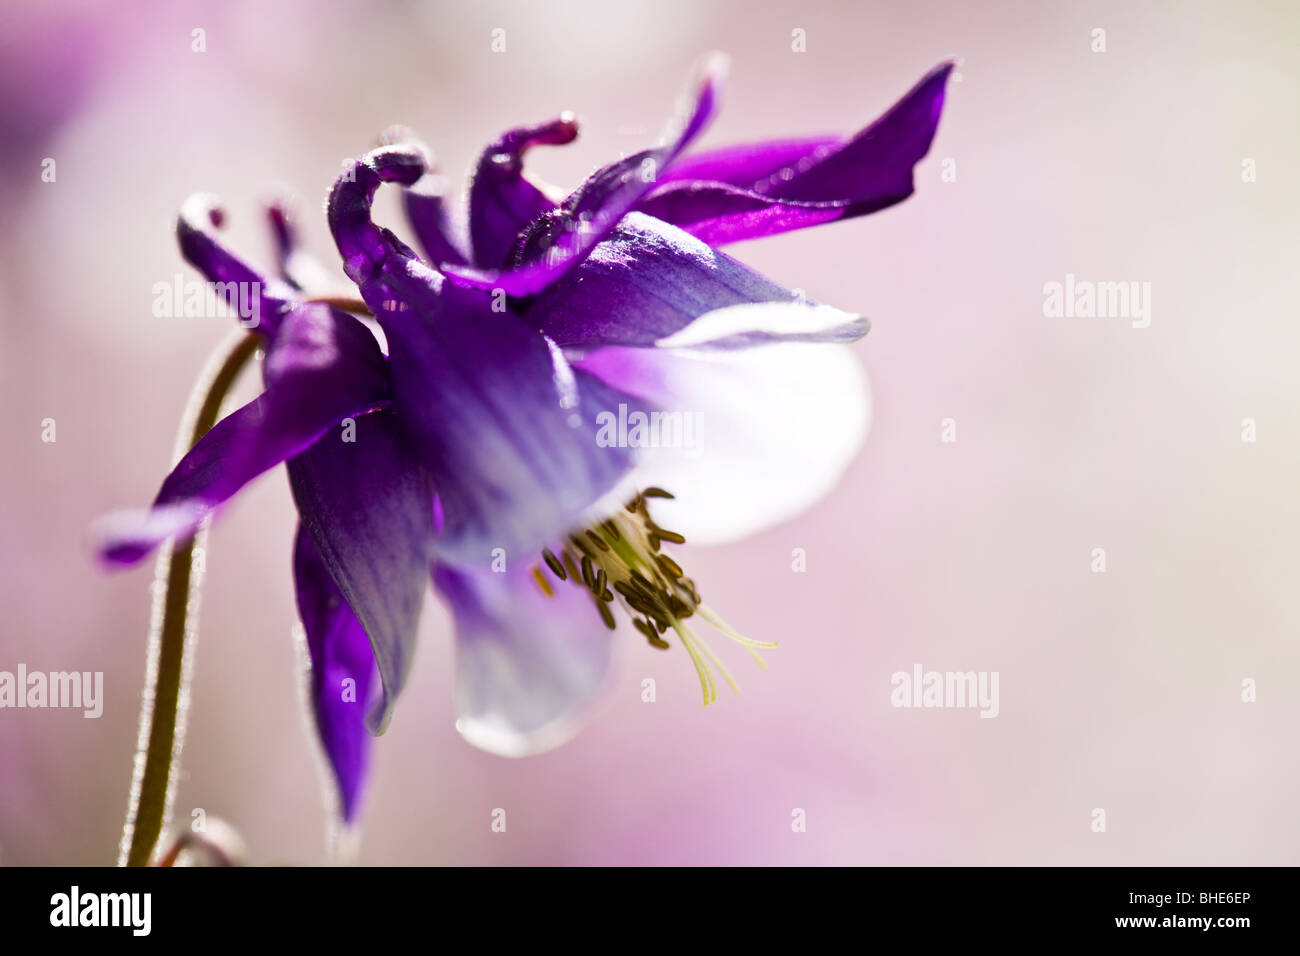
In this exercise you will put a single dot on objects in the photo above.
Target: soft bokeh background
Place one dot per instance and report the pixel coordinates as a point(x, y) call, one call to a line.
point(1119, 690)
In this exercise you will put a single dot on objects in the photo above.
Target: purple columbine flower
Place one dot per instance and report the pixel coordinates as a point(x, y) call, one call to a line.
point(483, 448)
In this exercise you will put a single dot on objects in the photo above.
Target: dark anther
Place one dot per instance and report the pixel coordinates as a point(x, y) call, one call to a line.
point(570, 566)
point(554, 564)
point(671, 566)
point(606, 615)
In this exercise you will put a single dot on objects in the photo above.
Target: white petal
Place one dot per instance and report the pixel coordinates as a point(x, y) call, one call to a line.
point(527, 666)
point(764, 322)
point(765, 431)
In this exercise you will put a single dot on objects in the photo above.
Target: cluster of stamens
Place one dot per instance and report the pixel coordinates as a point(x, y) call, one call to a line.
point(620, 560)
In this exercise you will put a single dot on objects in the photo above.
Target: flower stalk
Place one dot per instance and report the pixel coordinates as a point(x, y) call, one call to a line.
point(178, 578)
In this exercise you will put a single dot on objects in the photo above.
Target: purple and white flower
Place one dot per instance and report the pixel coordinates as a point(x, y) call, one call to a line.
point(476, 460)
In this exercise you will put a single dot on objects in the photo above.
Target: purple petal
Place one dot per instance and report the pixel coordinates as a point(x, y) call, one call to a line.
point(368, 506)
point(645, 282)
point(874, 168)
point(563, 238)
point(324, 366)
point(439, 234)
point(195, 229)
point(718, 213)
point(284, 233)
point(502, 423)
point(342, 672)
point(745, 165)
point(744, 192)
point(426, 209)
point(501, 201)
point(493, 409)
point(527, 666)
point(295, 266)
point(364, 245)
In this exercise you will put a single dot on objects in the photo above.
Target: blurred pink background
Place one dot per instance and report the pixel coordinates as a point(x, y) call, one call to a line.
point(1119, 691)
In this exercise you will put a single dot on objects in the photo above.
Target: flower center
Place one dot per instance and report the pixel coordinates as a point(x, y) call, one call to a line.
point(620, 561)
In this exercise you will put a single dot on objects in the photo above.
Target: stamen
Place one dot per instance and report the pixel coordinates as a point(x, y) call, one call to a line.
point(554, 564)
point(619, 560)
point(712, 617)
point(669, 565)
point(672, 536)
point(606, 614)
point(543, 585)
point(709, 615)
point(570, 566)
point(702, 672)
point(713, 657)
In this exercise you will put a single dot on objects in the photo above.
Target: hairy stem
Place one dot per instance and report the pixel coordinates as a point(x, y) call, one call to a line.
point(177, 581)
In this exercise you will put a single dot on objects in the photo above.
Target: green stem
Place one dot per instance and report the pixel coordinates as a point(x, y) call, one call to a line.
point(177, 581)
